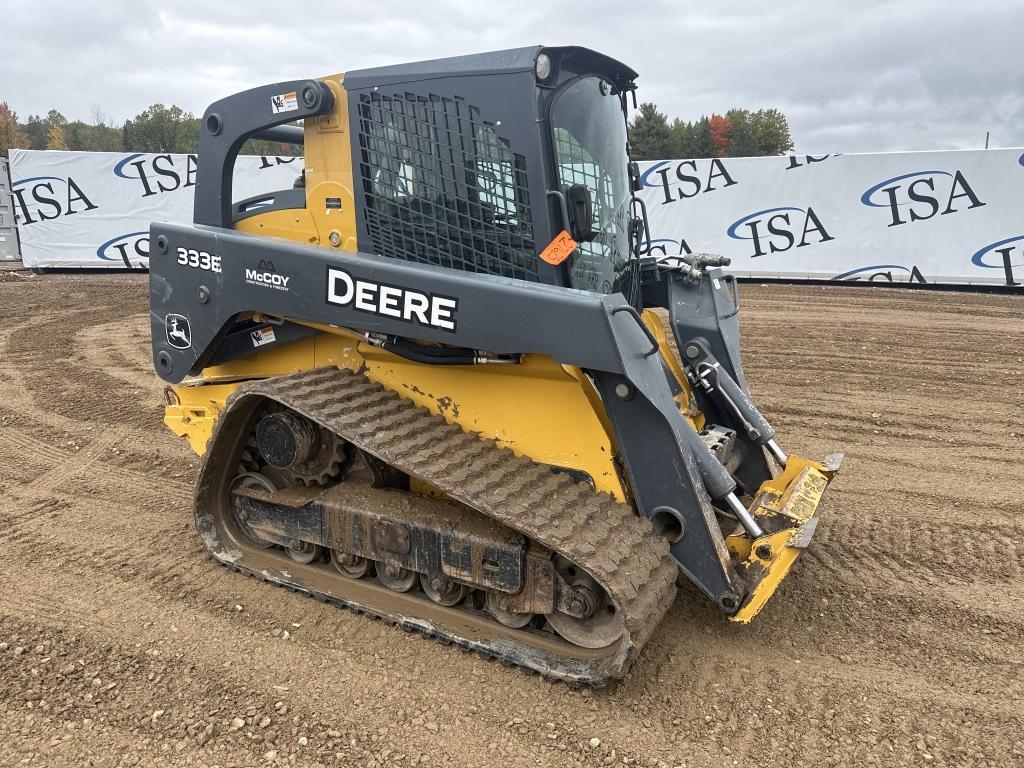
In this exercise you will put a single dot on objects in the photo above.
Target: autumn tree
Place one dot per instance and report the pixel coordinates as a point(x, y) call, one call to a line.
point(720, 131)
point(12, 135)
point(55, 137)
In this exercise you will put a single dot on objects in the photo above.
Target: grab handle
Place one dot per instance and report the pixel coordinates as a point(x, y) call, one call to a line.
point(734, 292)
point(643, 326)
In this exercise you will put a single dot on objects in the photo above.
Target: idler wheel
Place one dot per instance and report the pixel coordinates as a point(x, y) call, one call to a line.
point(602, 627)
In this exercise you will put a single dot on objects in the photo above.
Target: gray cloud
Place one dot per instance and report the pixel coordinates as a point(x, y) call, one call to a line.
point(851, 76)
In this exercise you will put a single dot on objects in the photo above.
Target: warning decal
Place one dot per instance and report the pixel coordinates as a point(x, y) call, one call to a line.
point(285, 102)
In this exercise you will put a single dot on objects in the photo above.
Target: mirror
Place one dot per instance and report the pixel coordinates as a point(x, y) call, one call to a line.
point(581, 213)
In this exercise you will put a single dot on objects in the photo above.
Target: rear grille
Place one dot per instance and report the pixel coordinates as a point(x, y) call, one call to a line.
point(442, 187)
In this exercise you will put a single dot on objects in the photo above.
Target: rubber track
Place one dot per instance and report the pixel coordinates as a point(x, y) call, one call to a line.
point(604, 537)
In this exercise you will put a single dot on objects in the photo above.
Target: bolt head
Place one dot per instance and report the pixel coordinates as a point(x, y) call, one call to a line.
point(335, 238)
point(623, 391)
point(692, 351)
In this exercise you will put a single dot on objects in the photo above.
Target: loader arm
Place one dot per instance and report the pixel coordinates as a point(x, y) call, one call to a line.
point(599, 333)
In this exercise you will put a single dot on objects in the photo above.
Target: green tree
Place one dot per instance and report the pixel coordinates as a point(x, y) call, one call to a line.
point(162, 129)
point(741, 135)
point(270, 148)
point(36, 128)
point(650, 136)
point(771, 132)
point(98, 135)
point(78, 135)
point(12, 135)
point(684, 140)
point(703, 140)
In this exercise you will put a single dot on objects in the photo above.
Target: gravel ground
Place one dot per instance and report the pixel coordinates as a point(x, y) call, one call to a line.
point(897, 640)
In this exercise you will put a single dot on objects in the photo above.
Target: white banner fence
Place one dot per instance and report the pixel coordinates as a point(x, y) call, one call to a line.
point(927, 217)
point(936, 217)
point(93, 209)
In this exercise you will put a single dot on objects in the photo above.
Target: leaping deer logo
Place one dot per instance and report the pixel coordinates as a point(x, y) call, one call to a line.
point(178, 332)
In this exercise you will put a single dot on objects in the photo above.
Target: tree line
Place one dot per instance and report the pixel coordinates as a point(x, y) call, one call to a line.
point(737, 133)
point(170, 129)
point(159, 129)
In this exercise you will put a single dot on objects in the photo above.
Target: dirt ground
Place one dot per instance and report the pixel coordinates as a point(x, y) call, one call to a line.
point(897, 640)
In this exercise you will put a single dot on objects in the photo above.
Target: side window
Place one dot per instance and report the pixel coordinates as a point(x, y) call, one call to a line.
point(589, 136)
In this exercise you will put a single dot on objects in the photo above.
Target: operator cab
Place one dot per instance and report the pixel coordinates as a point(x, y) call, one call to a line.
point(478, 162)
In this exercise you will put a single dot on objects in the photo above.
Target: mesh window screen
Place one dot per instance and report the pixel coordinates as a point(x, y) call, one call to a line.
point(442, 187)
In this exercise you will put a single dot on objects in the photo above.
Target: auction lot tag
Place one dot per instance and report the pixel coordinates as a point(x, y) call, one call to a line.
point(559, 249)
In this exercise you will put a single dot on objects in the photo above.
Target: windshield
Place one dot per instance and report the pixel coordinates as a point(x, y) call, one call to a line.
point(589, 134)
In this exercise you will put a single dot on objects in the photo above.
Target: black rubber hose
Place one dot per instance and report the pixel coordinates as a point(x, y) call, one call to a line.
point(418, 356)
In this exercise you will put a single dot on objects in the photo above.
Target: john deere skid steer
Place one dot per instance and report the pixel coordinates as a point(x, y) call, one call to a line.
point(427, 380)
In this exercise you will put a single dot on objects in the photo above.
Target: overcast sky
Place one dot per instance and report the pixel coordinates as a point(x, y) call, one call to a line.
point(851, 76)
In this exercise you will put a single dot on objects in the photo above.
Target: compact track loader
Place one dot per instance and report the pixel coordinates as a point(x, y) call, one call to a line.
point(428, 383)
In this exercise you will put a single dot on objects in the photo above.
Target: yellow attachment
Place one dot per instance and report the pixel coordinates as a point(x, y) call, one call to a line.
point(786, 505)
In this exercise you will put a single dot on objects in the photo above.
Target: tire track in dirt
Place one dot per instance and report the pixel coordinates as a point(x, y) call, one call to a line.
point(897, 635)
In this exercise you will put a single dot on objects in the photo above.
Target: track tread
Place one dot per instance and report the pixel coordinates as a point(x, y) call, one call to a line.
point(604, 537)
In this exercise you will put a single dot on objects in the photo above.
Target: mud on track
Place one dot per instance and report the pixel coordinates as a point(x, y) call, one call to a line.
point(898, 639)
